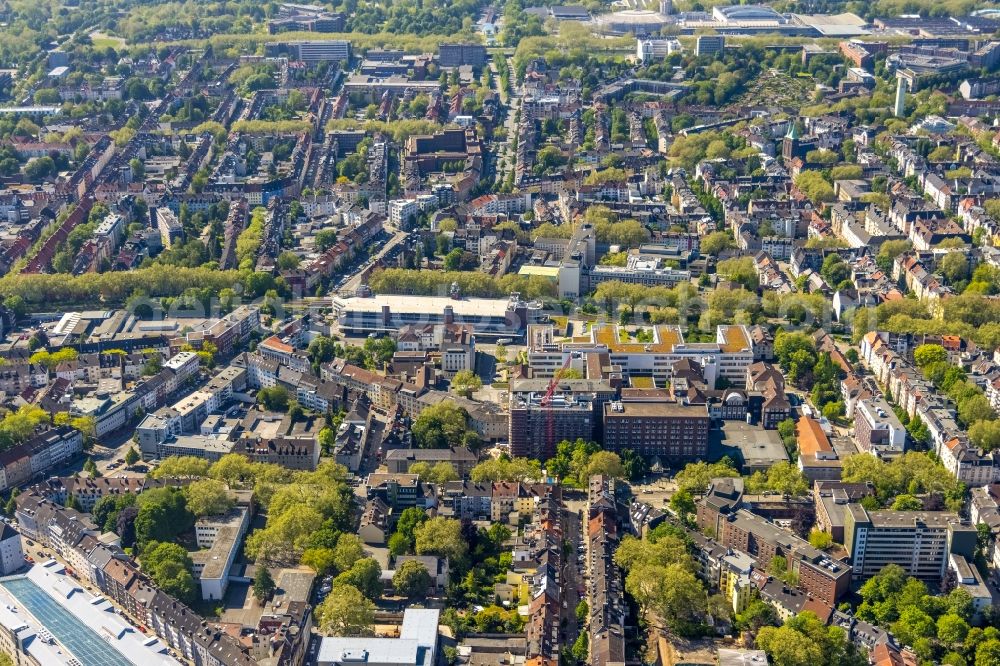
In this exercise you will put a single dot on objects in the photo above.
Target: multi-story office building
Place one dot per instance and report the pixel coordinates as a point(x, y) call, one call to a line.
point(672, 430)
point(918, 541)
point(709, 45)
point(652, 50)
point(831, 499)
point(539, 420)
point(320, 51)
point(728, 357)
point(456, 55)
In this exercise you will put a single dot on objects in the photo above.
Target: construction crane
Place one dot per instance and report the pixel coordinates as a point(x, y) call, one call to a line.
point(550, 425)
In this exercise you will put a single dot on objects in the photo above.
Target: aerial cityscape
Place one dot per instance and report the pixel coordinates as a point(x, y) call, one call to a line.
point(473, 333)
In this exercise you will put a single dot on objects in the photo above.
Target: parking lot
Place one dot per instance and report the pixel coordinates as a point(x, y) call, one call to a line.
point(656, 493)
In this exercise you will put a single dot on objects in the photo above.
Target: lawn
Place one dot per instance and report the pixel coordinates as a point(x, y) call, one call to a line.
point(102, 41)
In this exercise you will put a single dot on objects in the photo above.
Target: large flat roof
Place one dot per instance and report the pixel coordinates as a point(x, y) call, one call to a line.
point(834, 25)
point(543, 271)
point(83, 624)
point(416, 643)
point(625, 409)
point(471, 307)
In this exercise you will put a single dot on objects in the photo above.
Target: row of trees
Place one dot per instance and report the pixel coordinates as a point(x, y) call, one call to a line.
point(438, 283)
point(44, 290)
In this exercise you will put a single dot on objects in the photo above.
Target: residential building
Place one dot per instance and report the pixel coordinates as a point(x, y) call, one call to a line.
point(39, 455)
point(918, 541)
point(11, 554)
point(877, 429)
point(462, 459)
point(819, 574)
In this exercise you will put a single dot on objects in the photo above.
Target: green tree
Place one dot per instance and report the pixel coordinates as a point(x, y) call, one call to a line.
point(442, 537)
point(208, 497)
point(91, 468)
point(741, 270)
point(181, 467)
point(288, 260)
point(440, 426)
point(974, 409)
point(820, 539)
point(788, 647)
point(441, 472)
point(406, 528)
point(954, 267)
point(907, 503)
point(912, 625)
point(696, 476)
point(321, 560)
point(349, 550)
point(716, 242)
point(346, 612)
point(506, 469)
point(985, 434)
point(682, 504)
point(605, 463)
point(453, 260)
point(411, 579)
point(466, 382)
point(952, 629)
point(582, 612)
point(782, 477)
point(672, 592)
point(835, 270)
point(169, 565)
point(365, 575)
point(131, 456)
point(814, 186)
point(233, 469)
point(274, 399)
point(163, 515)
point(398, 544)
point(263, 584)
point(756, 615)
point(925, 355)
